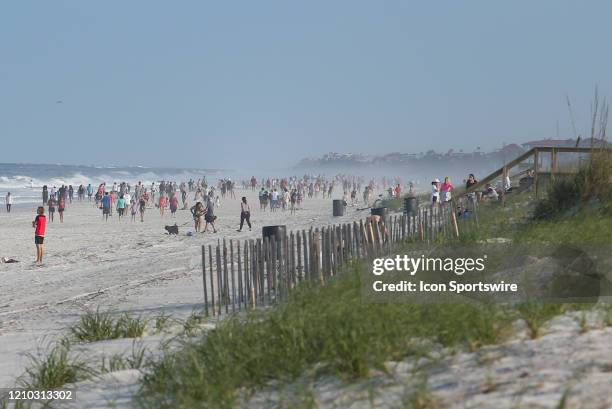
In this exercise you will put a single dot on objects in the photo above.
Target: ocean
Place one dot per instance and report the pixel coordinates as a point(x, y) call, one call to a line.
point(25, 181)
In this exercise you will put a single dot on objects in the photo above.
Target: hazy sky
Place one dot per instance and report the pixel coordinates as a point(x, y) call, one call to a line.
point(234, 83)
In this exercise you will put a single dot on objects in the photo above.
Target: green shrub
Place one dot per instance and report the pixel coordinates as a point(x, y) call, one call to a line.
point(98, 326)
point(54, 369)
point(592, 182)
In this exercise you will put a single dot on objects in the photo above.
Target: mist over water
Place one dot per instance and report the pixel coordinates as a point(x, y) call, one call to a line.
point(25, 181)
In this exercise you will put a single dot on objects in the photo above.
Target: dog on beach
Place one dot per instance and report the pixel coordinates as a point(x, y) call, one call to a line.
point(172, 229)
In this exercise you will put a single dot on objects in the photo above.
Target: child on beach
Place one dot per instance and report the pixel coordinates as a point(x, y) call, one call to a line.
point(134, 210)
point(40, 226)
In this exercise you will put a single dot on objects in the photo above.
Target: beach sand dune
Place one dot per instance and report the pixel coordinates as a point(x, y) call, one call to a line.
point(115, 265)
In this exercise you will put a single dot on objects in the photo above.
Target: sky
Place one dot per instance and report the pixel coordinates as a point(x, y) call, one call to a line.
point(239, 83)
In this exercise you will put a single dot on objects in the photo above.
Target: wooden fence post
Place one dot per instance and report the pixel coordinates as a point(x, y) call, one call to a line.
point(241, 298)
point(204, 280)
point(225, 278)
point(233, 275)
point(212, 282)
point(219, 277)
point(306, 261)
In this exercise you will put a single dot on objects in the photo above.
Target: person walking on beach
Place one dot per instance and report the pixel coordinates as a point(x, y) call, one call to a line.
point(293, 198)
point(142, 206)
point(81, 193)
point(197, 211)
point(113, 200)
point(51, 204)
point(40, 226)
point(274, 201)
point(133, 209)
point(106, 206)
point(45, 195)
point(285, 199)
point(209, 216)
point(245, 213)
point(162, 204)
point(9, 202)
point(263, 199)
point(174, 204)
point(89, 191)
point(121, 205)
point(61, 206)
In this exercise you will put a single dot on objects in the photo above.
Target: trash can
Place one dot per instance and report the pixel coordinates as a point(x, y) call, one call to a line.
point(278, 232)
point(339, 207)
point(378, 211)
point(411, 205)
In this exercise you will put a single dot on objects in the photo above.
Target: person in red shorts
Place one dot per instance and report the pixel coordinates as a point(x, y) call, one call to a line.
point(40, 226)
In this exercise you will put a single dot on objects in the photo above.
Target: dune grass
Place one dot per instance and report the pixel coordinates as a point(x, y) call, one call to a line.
point(587, 224)
point(328, 328)
point(137, 359)
point(54, 368)
point(591, 183)
point(97, 326)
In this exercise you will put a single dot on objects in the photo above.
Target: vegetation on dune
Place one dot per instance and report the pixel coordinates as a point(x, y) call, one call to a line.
point(590, 186)
point(55, 368)
point(331, 330)
point(328, 327)
point(97, 326)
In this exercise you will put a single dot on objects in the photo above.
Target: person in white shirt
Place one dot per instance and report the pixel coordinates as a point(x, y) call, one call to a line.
point(435, 191)
point(274, 203)
point(507, 183)
point(9, 202)
point(286, 199)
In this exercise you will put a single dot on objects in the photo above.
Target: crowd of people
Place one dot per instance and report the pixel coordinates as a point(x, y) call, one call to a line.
point(123, 199)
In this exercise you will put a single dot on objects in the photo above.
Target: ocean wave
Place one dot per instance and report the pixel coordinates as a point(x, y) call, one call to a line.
point(23, 176)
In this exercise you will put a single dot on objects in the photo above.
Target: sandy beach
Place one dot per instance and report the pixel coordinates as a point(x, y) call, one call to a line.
point(121, 266)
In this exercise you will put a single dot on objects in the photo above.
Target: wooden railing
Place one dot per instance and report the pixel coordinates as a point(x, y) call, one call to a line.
point(534, 153)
